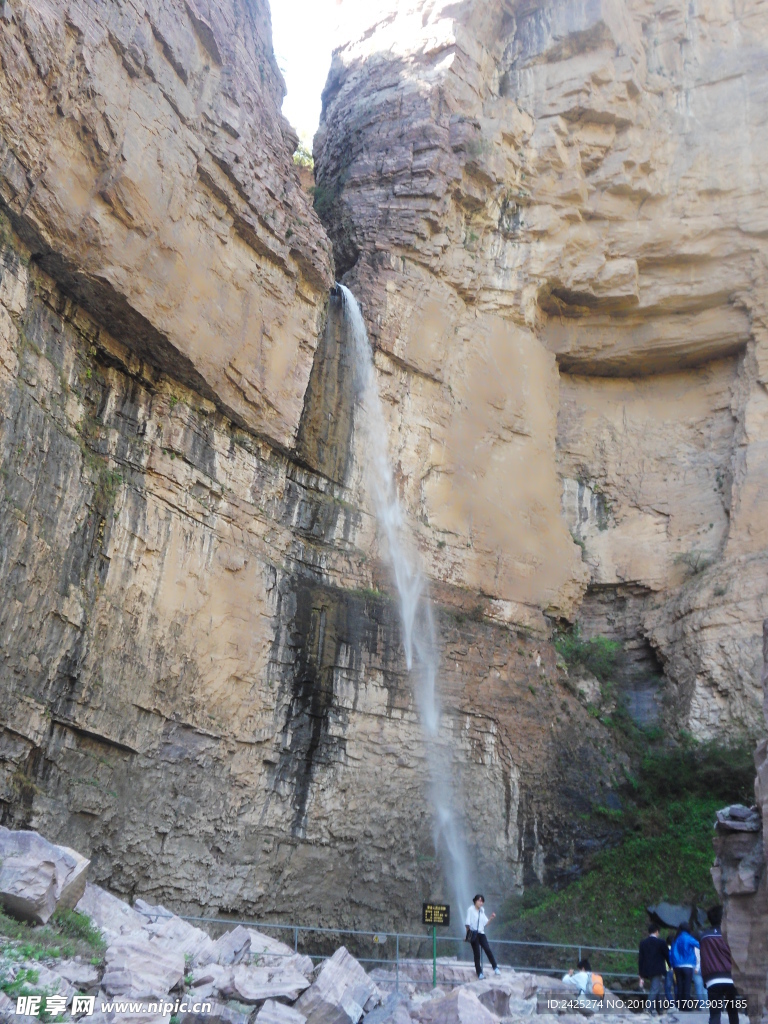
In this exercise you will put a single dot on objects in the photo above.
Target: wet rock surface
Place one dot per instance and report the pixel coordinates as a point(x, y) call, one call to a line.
point(533, 226)
point(204, 687)
point(214, 686)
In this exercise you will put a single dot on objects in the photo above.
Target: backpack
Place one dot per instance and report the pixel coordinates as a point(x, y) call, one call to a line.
point(596, 986)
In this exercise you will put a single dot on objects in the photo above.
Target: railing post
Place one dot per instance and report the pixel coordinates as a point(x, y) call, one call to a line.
point(397, 963)
point(579, 952)
point(295, 940)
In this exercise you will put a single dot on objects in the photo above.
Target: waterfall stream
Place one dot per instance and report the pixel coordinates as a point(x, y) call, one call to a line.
point(419, 634)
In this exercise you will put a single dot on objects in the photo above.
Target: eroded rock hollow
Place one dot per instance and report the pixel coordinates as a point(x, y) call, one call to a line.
point(562, 267)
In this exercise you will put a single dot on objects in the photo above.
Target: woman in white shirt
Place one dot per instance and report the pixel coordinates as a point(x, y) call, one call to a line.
point(475, 925)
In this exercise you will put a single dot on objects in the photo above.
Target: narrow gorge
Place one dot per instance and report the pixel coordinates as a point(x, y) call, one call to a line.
point(553, 215)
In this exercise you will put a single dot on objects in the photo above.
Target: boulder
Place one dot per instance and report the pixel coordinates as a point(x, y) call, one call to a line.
point(738, 818)
point(459, 1007)
point(210, 974)
point(340, 992)
point(83, 976)
point(53, 983)
point(230, 948)
point(169, 929)
point(7, 1009)
point(251, 984)
point(112, 916)
point(146, 1012)
point(27, 888)
point(274, 953)
point(278, 1013)
point(394, 1010)
point(29, 862)
point(138, 968)
point(450, 972)
point(219, 1013)
point(672, 915)
point(512, 994)
point(553, 989)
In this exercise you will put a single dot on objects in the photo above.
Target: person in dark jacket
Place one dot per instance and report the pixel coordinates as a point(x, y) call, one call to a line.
point(716, 968)
point(682, 956)
point(652, 967)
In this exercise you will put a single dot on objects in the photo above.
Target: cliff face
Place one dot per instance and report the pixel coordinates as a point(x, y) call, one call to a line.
point(562, 267)
point(203, 683)
point(554, 215)
point(147, 165)
point(741, 880)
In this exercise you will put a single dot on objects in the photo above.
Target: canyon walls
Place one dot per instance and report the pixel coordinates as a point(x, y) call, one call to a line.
point(554, 216)
point(203, 685)
point(562, 266)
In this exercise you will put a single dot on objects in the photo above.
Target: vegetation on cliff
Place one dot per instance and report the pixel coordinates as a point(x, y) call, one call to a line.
point(665, 852)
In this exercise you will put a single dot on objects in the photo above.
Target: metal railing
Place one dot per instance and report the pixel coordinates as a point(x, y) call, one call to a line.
point(403, 959)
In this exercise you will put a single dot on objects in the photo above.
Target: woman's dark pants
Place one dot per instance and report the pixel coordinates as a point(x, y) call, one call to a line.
point(482, 941)
point(684, 987)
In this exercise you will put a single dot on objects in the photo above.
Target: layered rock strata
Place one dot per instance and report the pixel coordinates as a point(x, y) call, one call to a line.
point(145, 161)
point(562, 262)
point(203, 682)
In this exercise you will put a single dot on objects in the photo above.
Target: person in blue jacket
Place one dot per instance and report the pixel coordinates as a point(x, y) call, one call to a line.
point(682, 957)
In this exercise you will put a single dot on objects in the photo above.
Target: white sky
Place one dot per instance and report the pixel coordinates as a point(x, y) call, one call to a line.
point(302, 34)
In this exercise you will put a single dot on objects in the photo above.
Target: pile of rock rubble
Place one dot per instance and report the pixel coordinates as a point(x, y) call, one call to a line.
point(243, 977)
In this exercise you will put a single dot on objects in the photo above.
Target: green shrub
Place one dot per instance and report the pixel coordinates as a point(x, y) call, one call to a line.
point(598, 655)
point(725, 773)
point(79, 926)
point(303, 157)
point(661, 850)
point(67, 934)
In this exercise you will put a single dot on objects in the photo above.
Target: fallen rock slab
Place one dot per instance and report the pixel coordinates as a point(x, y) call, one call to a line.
point(167, 928)
point(141, 969)
point(738, 818)
point(513, 995)
point(8, 1010)
point(255, 984)
point(340, 993)
point(27, 888)
point(278, 1013)
point(459, 1007)
point(230, 948)
point(52, 982)
point(394, 1010)
point(36, 876)
point(672, 915)
point(83, 976)
point(219, 1013)
point(111, 915)
point(212, 975)
point(147, 1013)
point(274, 953)
point(450, 972)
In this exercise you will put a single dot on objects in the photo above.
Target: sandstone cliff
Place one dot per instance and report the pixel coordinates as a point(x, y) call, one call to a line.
point(203, 683)
point(554, 215)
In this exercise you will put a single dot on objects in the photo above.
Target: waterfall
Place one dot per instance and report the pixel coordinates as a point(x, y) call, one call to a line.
point(418, 626)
